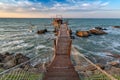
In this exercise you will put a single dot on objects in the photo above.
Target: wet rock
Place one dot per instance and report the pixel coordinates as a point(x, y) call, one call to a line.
point(90, 68)
point(20, 58)
point(89, 73)
point(72, 37)
point(9, 64)
point(8, 58)
point(1, 65)
point(42, 31)
point(101, 66)
point(114, 71)
point(116, 27)
point(100, 28)
point(83, 33)
point(97, 32)
point(114, 55)
point(1, 57)
point(115, 64)
point(7, 54)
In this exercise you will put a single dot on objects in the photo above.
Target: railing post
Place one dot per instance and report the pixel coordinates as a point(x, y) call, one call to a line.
point(69, 48)
point(55, 46)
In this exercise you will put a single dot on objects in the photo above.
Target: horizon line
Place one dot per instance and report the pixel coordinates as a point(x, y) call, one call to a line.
point(62, 17)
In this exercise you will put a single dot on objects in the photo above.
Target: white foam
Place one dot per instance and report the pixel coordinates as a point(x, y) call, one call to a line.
point(115, 44)
point(21, 46)
point(40, 47)
point(1, 29)
point(112, 30)
point(13, 42)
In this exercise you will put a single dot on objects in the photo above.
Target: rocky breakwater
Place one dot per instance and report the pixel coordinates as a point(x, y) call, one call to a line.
point(95, 31)
point(83, 33)
point(116, 27)
point(8, 60)
point(112, 67)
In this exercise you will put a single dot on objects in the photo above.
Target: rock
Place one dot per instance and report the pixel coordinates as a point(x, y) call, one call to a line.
point(7, 54)
point(89, 73)
point(97, 32)
point(116, 27)
point(100, 28)
point(8, 58)
point(114, 71)
point(90, 68)
point(114, 55)
point(101, 66)
point(42, 31)
point(1, 57)
point(20, 58)
point(82, 33)
point(72, 37)
point(38, 65)
point(1, 65)
point(9, 64)
point(115, 64)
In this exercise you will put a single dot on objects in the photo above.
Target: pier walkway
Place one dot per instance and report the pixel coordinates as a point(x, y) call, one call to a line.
point(61, 67)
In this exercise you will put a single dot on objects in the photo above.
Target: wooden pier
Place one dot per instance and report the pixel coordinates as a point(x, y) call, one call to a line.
point(61, 67)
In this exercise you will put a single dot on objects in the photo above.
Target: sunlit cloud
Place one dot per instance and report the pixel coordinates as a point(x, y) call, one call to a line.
point(72, 5)
point(34, 8)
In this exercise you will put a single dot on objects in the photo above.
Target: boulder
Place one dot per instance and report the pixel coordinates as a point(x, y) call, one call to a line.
point(101, 66)
point(100, 28)
point(90, 68)
point(20, 58)
point(8, 58)
point(83, 33)
point(114, 71)
point(1, 57)
point(116, 27)
point(97, 32)
point(1, 65)
point(9, 64)
point(114, 55)
point(41, 31)
point(115, 64)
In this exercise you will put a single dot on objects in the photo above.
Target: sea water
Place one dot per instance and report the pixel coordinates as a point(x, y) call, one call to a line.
point(19, 36)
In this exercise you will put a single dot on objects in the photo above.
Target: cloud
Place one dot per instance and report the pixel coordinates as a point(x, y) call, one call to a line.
point(19, 5)
point(69, 5)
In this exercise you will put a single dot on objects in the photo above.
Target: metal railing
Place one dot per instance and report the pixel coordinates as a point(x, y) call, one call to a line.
point(27, 70)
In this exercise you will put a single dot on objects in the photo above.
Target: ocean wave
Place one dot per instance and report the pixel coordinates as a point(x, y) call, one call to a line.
point(13, 48)
point(12, 43)
point(40, 46)
point(43, 47)
point(112, 30)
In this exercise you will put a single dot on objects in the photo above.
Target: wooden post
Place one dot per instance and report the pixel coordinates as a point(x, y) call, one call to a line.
point(54, 46)
point(69, 48)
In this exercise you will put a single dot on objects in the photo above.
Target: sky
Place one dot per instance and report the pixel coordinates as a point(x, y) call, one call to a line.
point(65, 8)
